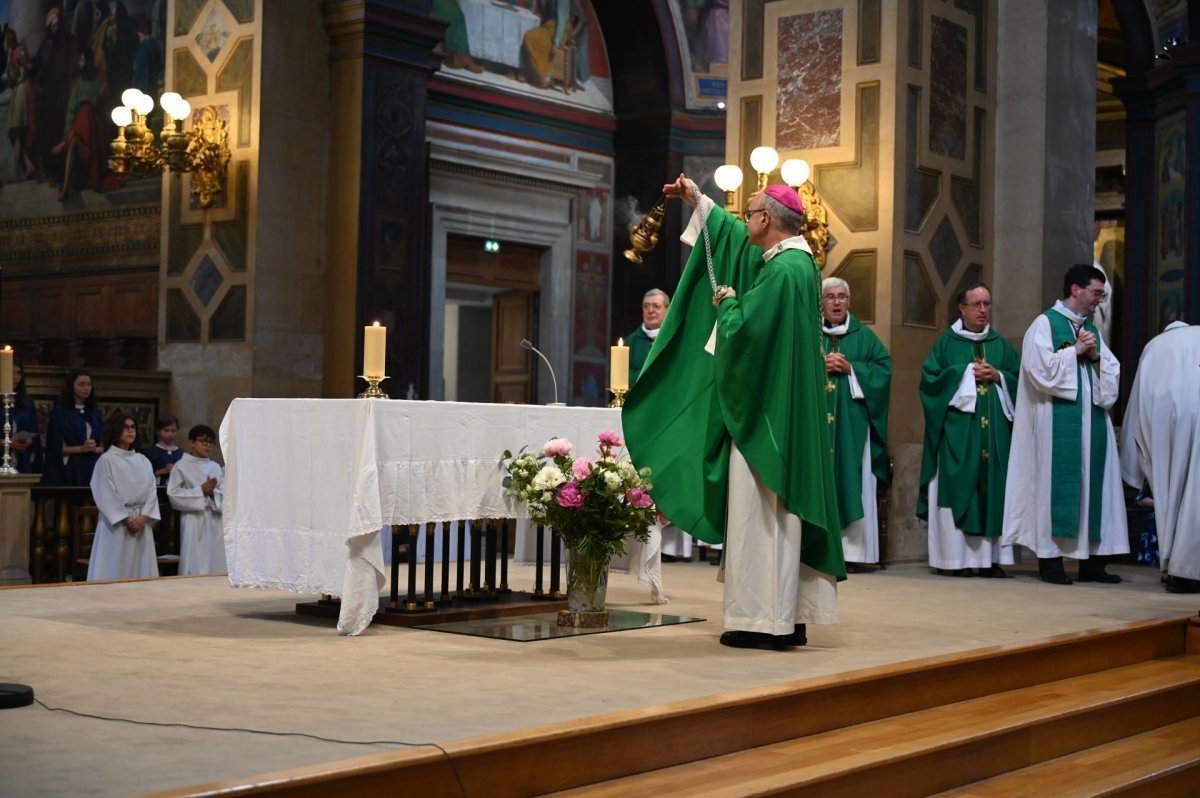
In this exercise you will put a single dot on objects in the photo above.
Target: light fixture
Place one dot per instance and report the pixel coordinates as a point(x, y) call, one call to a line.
point(729, 179)
point(764, 160)
point(795, 173)
point(203, 150)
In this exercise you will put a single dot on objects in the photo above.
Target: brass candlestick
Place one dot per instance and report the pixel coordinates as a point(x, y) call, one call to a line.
point(6, 465)
point(618, 397)
point(373, 391)
point(643, 236)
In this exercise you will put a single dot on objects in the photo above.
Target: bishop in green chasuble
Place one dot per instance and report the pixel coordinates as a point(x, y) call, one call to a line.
point(858, 380)
point(968, 392)
point(753, 384)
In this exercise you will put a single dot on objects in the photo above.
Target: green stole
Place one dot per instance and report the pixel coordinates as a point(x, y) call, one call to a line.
point(1067, 465)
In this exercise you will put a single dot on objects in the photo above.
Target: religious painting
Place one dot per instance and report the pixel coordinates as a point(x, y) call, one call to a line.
point(1171, 166)
point(65, 68)
point(592, 221)
point(591, 304)
point(702, 30)
point(548, 49)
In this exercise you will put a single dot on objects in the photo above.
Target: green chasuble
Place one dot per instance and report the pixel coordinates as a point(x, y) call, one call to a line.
point(763, 389)
point(639, 348)
point(852, 419)
point(968, 450)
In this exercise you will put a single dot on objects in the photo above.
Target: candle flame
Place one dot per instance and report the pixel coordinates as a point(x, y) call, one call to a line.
point(620, 342)
point(7, 348)
point(374, 324)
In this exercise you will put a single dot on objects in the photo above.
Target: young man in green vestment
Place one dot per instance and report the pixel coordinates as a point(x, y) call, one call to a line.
point(1066, 498)
point(858, 383)
point(968, 390)
point(729, 412)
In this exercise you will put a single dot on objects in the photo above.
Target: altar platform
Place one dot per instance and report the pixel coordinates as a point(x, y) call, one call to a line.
point(192, 652)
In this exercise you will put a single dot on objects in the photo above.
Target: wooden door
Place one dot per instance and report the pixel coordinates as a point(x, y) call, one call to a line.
point(512, 320)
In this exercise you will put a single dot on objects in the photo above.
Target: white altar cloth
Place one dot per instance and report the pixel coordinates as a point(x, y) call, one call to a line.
point(310, 482)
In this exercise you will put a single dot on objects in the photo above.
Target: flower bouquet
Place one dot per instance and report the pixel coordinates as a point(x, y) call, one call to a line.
point(593, 504)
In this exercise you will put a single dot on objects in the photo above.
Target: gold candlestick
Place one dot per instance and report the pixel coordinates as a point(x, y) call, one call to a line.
point(618, 397)
point(373, 391)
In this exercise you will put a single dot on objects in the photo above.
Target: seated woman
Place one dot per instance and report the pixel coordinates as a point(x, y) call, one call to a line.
point(73, 434)
point(83, 137)
point(124, 490)
point(26, 435)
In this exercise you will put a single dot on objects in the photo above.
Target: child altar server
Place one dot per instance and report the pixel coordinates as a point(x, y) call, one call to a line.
point(195, 490)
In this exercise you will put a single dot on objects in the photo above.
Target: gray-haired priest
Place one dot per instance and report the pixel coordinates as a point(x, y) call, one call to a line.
point(858, 383)
point(968, 388)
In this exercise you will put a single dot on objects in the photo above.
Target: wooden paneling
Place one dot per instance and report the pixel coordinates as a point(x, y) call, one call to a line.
point(514, 266)
point(512, 320)
point(91, 318)
point(121, 304)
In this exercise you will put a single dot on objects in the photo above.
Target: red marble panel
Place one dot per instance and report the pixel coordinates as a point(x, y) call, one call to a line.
point(948, 89)
point(809, 97)
point(591, 304)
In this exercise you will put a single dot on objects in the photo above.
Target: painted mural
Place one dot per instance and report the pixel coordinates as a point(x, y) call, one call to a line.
point(1171, 166)
point(548, 49)
point(65, 66)
point(702, 29)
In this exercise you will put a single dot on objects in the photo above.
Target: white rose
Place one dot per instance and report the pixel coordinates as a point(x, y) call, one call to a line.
point(612, 480)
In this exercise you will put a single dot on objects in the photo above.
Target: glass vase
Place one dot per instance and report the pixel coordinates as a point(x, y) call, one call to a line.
point(587, 581)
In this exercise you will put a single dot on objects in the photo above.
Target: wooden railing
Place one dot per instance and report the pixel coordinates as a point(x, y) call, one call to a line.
point(58, 527)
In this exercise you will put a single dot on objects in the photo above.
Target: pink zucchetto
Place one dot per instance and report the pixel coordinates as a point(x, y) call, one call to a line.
point(786, 195)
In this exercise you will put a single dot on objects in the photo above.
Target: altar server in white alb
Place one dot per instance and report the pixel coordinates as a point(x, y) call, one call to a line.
point(1063, 496)
point(195, 491)
point(124, 491)
point(1160, 444)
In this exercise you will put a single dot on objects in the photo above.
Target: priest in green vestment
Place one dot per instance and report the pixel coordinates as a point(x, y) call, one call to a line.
point(858, 383)
point(729, 412)
point(968, 391)
point(654, 309)
point(1066, 499)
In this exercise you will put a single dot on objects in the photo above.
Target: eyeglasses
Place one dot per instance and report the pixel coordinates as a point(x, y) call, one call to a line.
point(130, 426)
point(836, 297)
point(749, 214)
point(1100, 294)
point(983, 303)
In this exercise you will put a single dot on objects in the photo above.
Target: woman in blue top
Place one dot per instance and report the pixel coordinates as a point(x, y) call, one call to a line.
point(26, 435)
point(73, 434)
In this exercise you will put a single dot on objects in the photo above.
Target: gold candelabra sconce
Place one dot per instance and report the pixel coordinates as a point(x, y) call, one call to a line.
point(795, 173)
point(203, 151)
point(643, 236)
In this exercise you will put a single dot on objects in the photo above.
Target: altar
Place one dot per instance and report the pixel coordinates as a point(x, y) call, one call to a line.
point(309, 483)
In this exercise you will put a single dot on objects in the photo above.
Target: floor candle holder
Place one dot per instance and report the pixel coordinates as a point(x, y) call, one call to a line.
point(6, 465)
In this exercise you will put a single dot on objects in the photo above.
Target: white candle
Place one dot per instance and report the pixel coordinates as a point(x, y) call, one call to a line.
point(6, 370)
point(374, 350)
point(619, 366)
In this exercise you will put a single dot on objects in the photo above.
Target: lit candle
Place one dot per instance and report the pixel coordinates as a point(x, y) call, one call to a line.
point(374, 349)
point(6, 374)
point(619, 366)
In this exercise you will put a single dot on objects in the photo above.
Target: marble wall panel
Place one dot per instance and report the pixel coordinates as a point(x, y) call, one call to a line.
point(809, 79)
point(978, 9)
point(966, 193)
point(852, 190)
point(920, 184)
point(914, 33)
point(858, 269)
point(945, 249)
point(237, 75)
point(948, 88)
point(972, 274)
point(920, 301)
point(869, 31)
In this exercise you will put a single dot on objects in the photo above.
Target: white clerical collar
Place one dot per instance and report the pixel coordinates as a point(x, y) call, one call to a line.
point(839, 329)
point(1176, 325)
point(651, 334)
point(1061, 307)
point(795, 242)
point(959, 329)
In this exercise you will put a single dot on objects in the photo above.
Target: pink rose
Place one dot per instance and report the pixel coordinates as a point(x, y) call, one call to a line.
point(582, 468)
point(556, 447)
point(638, 497)
point(610, 438)
point(569, 495)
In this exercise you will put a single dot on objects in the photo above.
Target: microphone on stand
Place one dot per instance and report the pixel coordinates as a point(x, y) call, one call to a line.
point(527, 344)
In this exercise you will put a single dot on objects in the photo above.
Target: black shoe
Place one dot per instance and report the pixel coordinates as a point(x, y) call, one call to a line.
point(1178, 584)
point(854, 568)
point(1050, 570)
point(995, 572)
point(955, 571)
point(1092, 570)
point(739, 639)
point(798, 637)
